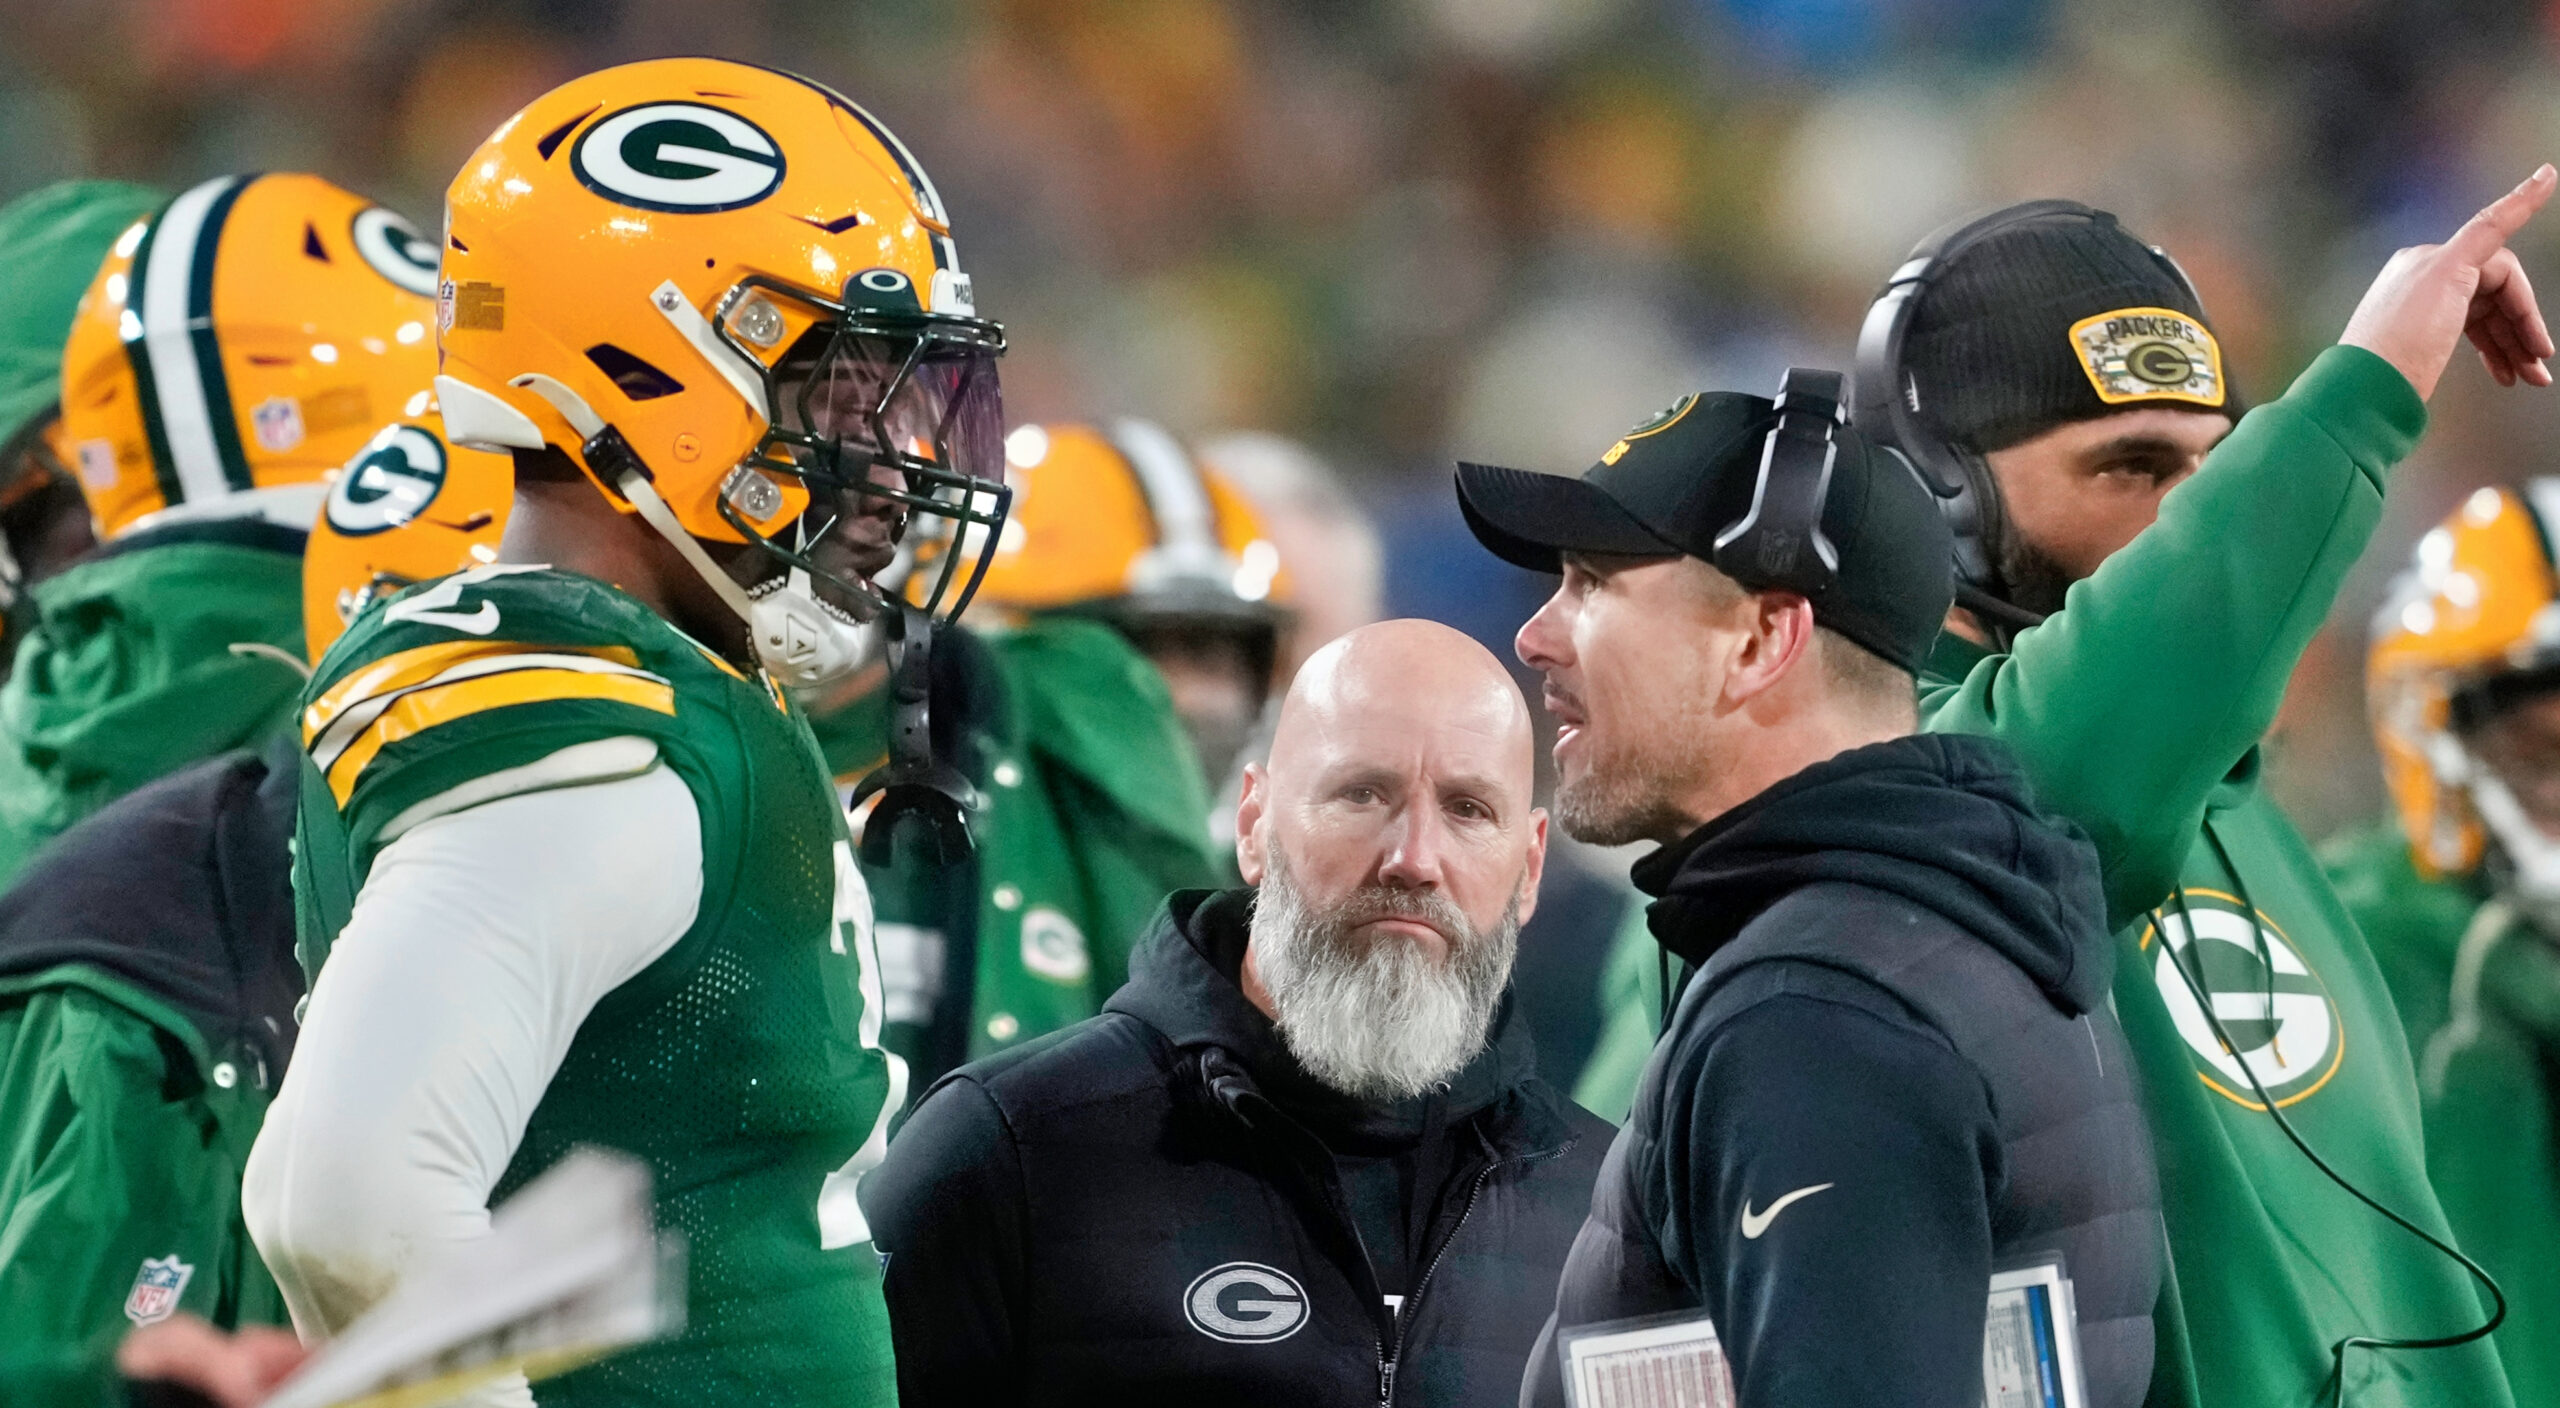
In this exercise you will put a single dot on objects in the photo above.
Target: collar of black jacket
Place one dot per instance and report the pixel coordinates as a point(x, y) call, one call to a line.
point(1943, 820)
point(1183, 981)
point(178, 888)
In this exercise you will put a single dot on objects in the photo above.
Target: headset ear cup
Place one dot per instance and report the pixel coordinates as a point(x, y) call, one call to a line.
point(1978, 517)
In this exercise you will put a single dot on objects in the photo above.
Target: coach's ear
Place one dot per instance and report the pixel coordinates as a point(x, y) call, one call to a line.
point(1251, 809)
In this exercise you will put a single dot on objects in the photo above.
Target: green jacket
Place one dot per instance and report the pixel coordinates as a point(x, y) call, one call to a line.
point(2137, 711)
point(147, 992)
point(129, 673)
point(1630, 1019)
point(51, 243)
point(2488, 1078)
point(1094, 810)
point(120, 1175)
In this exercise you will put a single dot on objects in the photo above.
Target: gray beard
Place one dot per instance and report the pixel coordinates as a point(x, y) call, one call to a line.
point(1378, 1019)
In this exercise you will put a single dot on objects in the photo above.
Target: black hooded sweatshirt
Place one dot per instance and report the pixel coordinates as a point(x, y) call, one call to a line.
point(1160, 1206)
point(1894, 1071)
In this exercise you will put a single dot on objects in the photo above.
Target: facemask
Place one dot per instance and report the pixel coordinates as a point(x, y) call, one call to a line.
point(2532, 878)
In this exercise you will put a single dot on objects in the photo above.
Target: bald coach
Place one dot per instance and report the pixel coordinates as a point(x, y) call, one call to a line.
point(1304, 1156)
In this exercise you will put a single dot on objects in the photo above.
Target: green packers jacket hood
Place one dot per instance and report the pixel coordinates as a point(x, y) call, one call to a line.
point(130, 673)
point(52, 242)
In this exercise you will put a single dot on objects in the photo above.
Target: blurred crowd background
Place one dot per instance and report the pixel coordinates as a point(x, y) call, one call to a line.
point(1410, 231)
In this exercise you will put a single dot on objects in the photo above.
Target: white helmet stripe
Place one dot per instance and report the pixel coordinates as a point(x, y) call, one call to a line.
point(1176, 495)
point(169, 325)
point(2542, 495)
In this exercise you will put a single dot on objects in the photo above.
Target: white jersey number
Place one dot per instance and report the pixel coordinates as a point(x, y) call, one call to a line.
point(840, 1219)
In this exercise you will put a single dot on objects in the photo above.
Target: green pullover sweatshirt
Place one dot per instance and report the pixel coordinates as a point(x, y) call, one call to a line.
point(129, 673)
point(1094, 810)
point(2478, 990)
point(2137, 712)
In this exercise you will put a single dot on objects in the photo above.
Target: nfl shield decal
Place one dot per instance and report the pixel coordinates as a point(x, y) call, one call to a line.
point(156, 1289)
point(278, 421)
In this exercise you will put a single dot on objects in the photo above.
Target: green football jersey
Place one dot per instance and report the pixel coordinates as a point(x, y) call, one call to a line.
point(744, 1065)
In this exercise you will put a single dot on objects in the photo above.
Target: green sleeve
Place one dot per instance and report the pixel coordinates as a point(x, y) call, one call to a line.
point(1129, 794)
point(2167, 665)
point(1128, 870)
point(1630, 1019)
point(100, 1170)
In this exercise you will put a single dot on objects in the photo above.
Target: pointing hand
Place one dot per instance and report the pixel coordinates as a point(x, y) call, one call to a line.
point(2470, 284)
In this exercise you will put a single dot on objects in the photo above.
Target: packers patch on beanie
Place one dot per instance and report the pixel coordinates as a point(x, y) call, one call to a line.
point(2053, 321)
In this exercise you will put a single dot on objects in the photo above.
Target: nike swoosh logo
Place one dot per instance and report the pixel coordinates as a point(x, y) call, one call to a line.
point(1755, 1223)
point(478, 623)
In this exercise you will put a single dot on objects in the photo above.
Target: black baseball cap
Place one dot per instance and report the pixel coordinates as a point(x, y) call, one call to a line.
point(1682, 477)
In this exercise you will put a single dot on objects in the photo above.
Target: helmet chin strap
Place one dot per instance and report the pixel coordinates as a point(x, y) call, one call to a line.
point(797, 640)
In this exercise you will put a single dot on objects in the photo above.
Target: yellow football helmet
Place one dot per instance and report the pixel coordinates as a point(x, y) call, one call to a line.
point(408, 507)
point(731, 296)
point(2474, 611)
point(238, 344)
point(1120, 521)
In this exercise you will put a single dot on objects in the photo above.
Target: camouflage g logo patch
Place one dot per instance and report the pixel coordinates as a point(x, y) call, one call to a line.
point(2149, 354)
point(2160, 363)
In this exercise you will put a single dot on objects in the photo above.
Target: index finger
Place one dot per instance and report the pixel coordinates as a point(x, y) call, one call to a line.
point(2483, 234)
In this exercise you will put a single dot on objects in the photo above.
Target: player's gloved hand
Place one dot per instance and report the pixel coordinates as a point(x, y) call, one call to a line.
point(183, 1360)
point(2429, 294)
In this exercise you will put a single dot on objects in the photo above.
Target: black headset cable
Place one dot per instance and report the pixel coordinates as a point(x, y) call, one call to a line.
point(2204, 1004)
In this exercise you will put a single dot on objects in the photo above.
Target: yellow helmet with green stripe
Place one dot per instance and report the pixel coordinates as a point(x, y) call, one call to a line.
point(239, 343)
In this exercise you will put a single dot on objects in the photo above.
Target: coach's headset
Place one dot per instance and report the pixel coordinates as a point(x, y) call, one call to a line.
point(1778, 543)
point(1887, 408)
point(1886, 402)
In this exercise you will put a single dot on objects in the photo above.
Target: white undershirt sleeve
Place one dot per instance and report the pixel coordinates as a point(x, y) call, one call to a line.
point(479, 943)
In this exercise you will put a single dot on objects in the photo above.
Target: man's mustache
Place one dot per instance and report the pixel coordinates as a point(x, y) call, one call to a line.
point(1375, 902)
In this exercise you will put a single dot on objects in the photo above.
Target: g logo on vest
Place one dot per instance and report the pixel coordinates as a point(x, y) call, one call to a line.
point(2292, 1043)
point(681, 157)
point(396, 250)
point(391, 482)
point(1245, 1302)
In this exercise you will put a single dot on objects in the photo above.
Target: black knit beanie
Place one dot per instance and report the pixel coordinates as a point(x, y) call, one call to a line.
point(2052, 321)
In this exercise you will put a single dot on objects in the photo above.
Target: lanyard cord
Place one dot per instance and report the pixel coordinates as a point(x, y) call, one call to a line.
point(2204, 1004)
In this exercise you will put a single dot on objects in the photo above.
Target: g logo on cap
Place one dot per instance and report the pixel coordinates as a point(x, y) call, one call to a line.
point(389, 483)
point(396, 250)
point(1245, 1302)
point(2160, 363)
point(682, 157)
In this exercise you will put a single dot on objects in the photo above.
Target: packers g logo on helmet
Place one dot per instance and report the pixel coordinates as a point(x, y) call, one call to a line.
point(396, 250)
point(391, 482)
point(681, 157)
